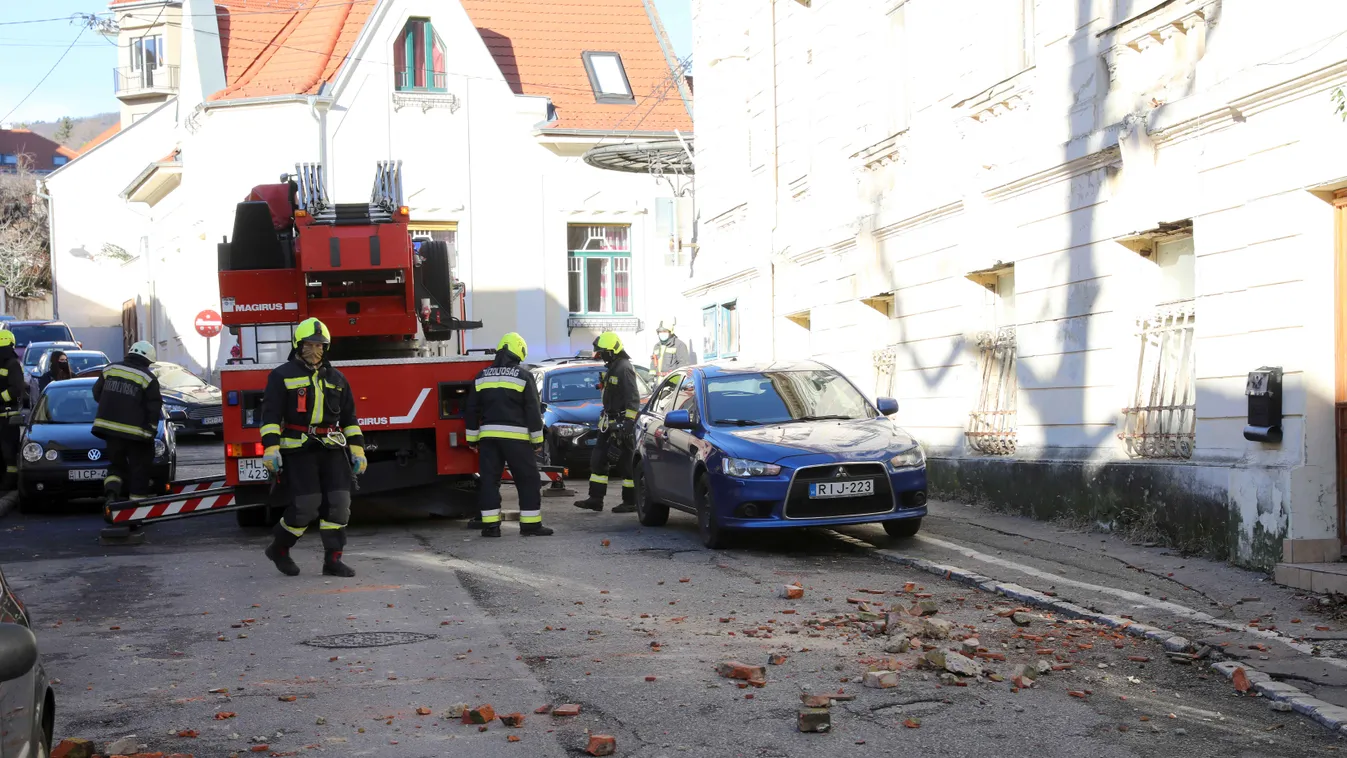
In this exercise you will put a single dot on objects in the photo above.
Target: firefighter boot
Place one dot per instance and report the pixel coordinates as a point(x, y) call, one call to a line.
point(491, 530)
point(535, 530)
point(279, 549)
point(333, 542)
point(590, 503)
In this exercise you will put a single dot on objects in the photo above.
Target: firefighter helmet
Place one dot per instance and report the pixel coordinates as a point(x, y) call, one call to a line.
point(312, 330)
point(6, 338)
point(144, 350)
point(515, 344)
point(667, 325)
point(608, 342)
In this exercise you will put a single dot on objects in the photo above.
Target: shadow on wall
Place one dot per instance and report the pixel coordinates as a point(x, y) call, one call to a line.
point(502, 49)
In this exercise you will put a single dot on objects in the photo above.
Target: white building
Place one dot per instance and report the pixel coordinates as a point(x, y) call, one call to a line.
point(1060, 233)
point(489, 104)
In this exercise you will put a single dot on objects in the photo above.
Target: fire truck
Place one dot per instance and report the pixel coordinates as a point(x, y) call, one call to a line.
point(388, 302)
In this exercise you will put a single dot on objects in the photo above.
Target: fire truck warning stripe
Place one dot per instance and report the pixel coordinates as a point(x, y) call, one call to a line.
point(191, 505)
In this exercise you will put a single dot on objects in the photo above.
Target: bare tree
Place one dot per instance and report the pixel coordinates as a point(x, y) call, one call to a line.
point(25, 258)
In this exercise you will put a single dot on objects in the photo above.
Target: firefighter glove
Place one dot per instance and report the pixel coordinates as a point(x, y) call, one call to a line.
point(615, 448)
point(271, 459)
point(358, 461)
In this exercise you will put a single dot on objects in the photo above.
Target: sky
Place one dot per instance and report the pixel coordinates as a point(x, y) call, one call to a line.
point(81, 84)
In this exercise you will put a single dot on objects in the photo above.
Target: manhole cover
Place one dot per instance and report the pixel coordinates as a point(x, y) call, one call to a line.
point(369, 639)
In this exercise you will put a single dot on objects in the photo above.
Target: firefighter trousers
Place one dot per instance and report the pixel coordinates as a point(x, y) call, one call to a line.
point(128, 467)
point(600, 468)
point(10, 429)
point(493, 455)
point(318, 477)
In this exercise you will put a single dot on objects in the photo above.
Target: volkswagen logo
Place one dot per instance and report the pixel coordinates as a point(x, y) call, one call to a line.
point(95, 454)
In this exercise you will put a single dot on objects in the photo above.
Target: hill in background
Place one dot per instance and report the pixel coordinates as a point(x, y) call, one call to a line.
point(85, 128)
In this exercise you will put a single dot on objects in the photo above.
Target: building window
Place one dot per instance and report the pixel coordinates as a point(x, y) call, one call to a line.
point(1161, 421)
point(720, 330)
point(59, 160)
point(147, 53)
point(599, 269)
point(992, 424)
point(418, 58)
point(608, 77)
point(9, 159)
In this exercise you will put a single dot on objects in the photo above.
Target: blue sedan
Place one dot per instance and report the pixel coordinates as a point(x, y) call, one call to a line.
point(784, 445)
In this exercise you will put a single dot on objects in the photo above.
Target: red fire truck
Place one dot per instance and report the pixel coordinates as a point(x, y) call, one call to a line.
point(295, 255)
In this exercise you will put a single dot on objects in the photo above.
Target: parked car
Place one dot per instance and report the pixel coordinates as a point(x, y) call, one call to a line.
point(193, 406)
point(27, 701)
point(28, 332)
point(60, 458)
point(570, 394)
point(745, 447)
point(79, 360)
point(32, 356)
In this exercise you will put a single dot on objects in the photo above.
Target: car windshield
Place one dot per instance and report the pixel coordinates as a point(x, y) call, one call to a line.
point(64, 403)
point(85, 361)
point(26, 334)
point(775, 397)
point(31, 357)
point(177, 378)
point(570, 386)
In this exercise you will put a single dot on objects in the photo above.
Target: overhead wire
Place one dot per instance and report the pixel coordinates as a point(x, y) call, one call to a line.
point(44, 76)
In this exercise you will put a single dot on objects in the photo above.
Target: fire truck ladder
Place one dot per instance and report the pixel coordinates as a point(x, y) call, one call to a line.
point(312, 188)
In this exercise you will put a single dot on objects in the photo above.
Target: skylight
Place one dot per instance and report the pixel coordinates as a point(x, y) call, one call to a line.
point(608, 78)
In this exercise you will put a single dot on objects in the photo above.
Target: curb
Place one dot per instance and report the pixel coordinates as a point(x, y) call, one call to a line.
point(1331, 716)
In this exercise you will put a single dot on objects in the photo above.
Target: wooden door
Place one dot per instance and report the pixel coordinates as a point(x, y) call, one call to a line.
point(130, 332)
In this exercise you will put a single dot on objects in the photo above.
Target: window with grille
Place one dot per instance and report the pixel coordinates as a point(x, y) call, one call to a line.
point(599, 269)
point(992, 424)
point(1161, 421)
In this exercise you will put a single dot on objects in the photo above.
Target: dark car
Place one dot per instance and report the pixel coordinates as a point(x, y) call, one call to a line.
point(60, 458)
point(569, 390)
point(37, 361)
point(28, 332)
point(746, 447)
point(192, 405)
point(27, 702)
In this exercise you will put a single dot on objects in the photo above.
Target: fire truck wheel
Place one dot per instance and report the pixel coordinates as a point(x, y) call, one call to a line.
point(435, 273)
point(249, 518)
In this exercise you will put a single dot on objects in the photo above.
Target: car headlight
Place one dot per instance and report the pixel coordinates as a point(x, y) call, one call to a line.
point(569, 430)
point(741, 467)
point(160, 449)
point(912, 457)
point(32, 452)
point(176, 408)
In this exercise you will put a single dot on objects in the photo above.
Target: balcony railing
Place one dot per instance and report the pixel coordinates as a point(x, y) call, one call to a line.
point(407, 81)
point(128, 81)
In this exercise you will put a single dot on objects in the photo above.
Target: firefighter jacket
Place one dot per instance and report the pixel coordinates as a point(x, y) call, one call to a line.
point(621, 398)
point(667, 357)
point(302, 403)
point(503, 403)
point(12, 383)
point(129, 404)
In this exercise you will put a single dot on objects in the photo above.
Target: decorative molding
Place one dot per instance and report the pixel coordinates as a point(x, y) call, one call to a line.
point(921, 219)
point(729, 219)
point(799, 188)
point(737, 277)
point(888, 151)
point(1085, 164)
point(1000, 98)
point(426, 101)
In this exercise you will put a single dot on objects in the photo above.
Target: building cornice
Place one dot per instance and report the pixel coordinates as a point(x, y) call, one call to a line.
point(919, 220)
point(737, 277)
point(1059, 173)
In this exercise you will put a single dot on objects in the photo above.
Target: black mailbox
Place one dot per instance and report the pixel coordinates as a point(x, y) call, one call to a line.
point(1264, 390)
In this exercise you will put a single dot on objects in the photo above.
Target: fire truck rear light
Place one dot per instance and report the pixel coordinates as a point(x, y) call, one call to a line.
point(301, 214)
point(245, 450)
point(233, 397)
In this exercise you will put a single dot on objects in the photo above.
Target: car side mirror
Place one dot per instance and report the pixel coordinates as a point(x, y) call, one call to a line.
point(887, 405)
point(679, 419)
point(18, 651)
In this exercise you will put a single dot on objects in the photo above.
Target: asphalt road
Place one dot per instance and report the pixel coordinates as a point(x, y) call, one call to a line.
point(625, 621)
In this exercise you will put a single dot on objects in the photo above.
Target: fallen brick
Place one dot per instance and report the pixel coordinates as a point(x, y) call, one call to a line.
point(73, 748)
point(513, 719)
point(543, 709)
point(881, 680)
point(1139, 658)
point(816, 701)
point(737, 670)
point(1241, 680)
point(1076, 693)
point(776, 659)
point(512, 738)
point(482, 714)
point(912, 723)
point(423, 711)
point(455, 711)
point(814, 720)
point(925, 608)
point(601, 744)
point(909, 586)
point(569, 709)
point(287, 698)
point(188, 734)
point(224, 715)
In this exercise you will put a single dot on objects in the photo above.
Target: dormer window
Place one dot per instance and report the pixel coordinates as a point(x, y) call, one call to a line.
point(608, 78)
point(419, 58)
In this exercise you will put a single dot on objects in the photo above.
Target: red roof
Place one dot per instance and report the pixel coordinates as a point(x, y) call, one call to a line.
point(538, 45)
point(39, 151)
point(101, 137)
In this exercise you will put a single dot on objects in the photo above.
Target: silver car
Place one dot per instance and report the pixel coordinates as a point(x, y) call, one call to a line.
point(27, 702)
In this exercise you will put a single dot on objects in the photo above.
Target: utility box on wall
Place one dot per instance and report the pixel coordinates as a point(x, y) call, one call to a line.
point(1264, 391)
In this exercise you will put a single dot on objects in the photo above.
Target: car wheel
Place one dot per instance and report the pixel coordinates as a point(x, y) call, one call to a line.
point(649, 511)
point(251, 518)
point(904, 528)
point(713, 535)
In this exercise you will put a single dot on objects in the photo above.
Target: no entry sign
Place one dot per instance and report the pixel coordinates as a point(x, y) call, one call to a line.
point(208, 323)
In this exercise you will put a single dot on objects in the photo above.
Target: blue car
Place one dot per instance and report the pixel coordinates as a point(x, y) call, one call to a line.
point(783, 445)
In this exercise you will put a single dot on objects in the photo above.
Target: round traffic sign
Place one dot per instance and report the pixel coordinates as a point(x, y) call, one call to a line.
point(208, 323)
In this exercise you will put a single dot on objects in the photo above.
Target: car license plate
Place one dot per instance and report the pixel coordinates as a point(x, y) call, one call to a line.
point(213, 420)
point(252, 470)
point(592, 441)
point(853, 488)
point(87, 474)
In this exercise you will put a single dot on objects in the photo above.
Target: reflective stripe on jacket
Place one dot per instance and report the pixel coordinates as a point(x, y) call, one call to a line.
point(12, 384)
point(129, 404)
point(665, 358)
point(503, 403)
point(299, 396)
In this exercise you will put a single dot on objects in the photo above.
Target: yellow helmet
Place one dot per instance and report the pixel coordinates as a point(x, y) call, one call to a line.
point(608, 342)
point(515, 344)
point(667, 325)
point(312, 330)
point(6, 338)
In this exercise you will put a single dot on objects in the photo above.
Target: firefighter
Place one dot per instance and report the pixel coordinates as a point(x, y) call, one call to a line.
point(308, 423)
point(11, 401)
point(505, 426)
point(129, 411)
point(617, 426)
point(670, 352)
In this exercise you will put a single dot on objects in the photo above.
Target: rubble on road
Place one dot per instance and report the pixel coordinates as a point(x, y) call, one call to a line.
point(814, 720)
point(755, 675)
point(791, 592)
point(881, 680)
point(601, 744)
point(73, 748)
point(569, 709)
